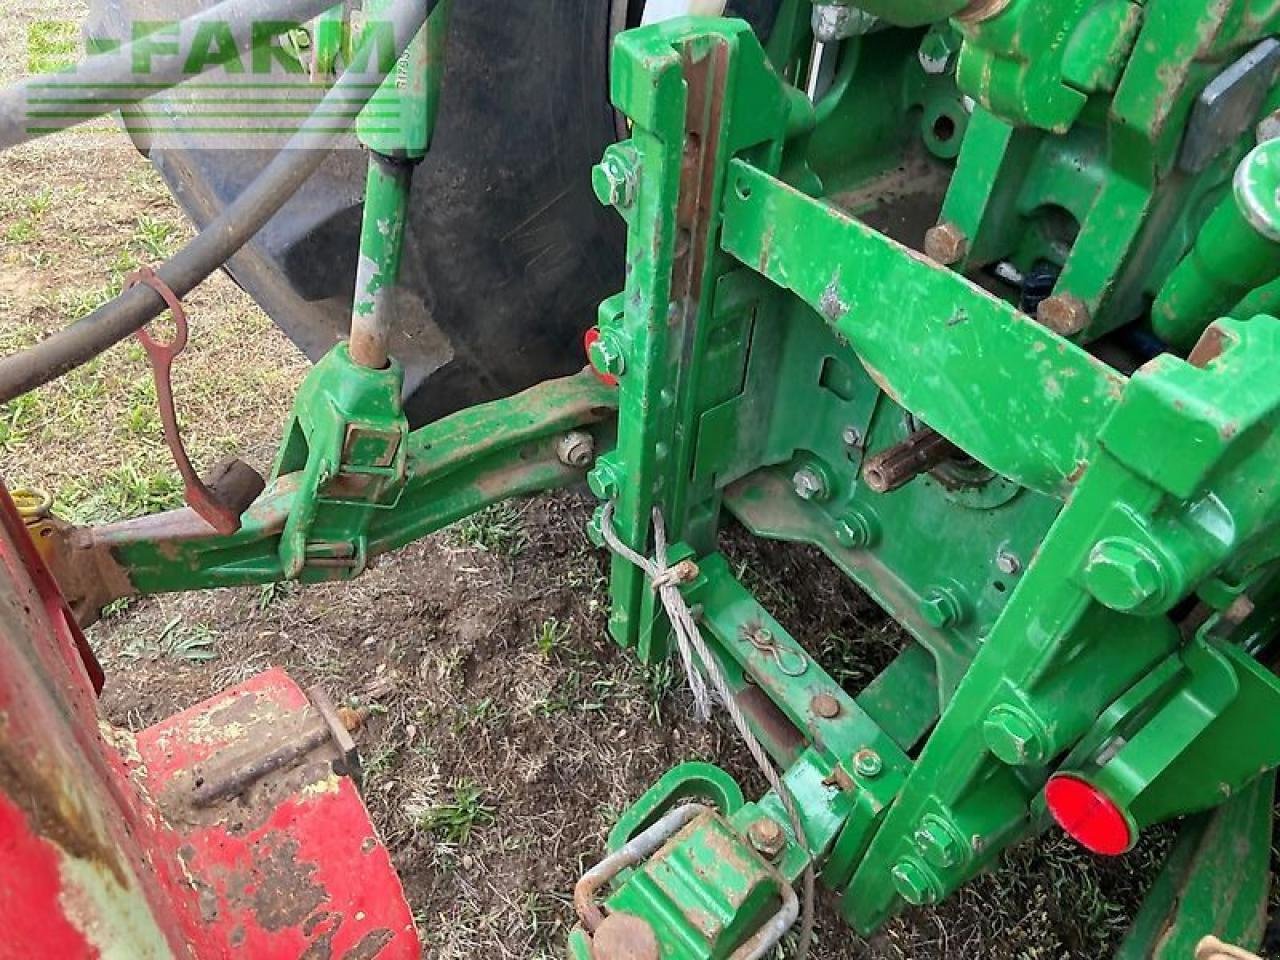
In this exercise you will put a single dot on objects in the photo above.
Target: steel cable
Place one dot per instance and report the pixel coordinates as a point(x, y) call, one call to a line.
point(689, 641)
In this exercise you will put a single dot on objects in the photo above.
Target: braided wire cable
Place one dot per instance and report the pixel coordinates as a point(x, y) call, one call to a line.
point(690, 642)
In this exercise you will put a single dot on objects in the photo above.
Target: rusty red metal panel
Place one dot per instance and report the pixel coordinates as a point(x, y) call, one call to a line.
point(289, 861)
point(107, 845)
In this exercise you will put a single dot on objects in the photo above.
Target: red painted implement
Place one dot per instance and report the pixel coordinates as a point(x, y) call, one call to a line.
point(232, 829)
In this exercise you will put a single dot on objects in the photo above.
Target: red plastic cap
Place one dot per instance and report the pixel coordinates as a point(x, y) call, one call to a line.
point(1088, 815)
point(590, 337)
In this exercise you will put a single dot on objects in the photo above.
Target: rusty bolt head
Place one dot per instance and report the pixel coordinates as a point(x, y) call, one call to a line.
point(946, 244)
point(1064, 314)
point(623, 936)
point(826, 706)
point(767, 837)
point(576, 449)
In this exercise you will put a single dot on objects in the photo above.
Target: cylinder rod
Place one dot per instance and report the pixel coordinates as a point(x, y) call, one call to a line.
point(386, 204)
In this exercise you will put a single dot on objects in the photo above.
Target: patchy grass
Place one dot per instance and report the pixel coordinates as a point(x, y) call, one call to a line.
point(52, 45)
point(498, 529)
point(452, 821)
point(549, 635)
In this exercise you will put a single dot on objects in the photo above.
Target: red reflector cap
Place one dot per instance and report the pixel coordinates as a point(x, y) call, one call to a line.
point(590, 337)
point(1089, 815)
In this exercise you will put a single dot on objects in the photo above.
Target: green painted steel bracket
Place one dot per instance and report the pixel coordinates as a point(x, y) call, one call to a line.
point(436, 475)
point(1048, 666)
point(964, 362)
point(1215, 881)
point(692, 100)
point(1080, 668)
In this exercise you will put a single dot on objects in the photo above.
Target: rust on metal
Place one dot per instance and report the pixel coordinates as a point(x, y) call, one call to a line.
point(1211, 345)
point(826, 706)
point(199, 497)
point(277, 886)
point(706, 77)
point(980, 10)
point(900, 464)
point(53, 809)
point(279, 743)
point(623, 936)
point(767, 836)
point(946, 244)
point(1064, 314)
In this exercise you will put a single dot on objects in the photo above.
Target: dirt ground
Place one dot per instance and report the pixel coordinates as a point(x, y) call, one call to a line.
point(508, 734)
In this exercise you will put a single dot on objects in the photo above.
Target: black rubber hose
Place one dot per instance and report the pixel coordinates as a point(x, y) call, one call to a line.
point(214, 245)
point(100, 82)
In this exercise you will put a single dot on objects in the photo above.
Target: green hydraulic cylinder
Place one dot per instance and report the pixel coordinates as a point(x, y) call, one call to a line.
point(1237, 251)
point(397, 127)
point(386, 205)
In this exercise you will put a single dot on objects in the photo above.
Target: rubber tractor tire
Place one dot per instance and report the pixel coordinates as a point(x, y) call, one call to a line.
point(508, 253)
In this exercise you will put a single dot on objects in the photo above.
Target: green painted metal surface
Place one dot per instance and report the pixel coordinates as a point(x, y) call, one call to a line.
point(1096, 489)
point(348, 418)
point(990, 322)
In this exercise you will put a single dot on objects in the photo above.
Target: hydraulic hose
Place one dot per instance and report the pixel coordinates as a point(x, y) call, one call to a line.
point(222, 237)
point(100, 82)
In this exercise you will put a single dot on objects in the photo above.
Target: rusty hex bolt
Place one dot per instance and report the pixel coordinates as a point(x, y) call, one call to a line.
point(1015, 736)
point(614, 178)
point(826, 706)
point(576, 448)
point(915, 882)
point(1124, 575)
point(624, 936)
point(1064, 314)
point(945, 244)
point(767, 837)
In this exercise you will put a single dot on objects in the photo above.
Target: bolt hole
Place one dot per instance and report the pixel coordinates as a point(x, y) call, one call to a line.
point(743, 189)
point(1000, 587)
point(944, 129)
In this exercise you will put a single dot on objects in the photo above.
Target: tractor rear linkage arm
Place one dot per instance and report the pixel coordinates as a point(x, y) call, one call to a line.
point(768, 346)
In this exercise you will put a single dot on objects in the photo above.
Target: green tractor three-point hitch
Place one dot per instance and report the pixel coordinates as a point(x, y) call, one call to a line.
point(979, 298)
